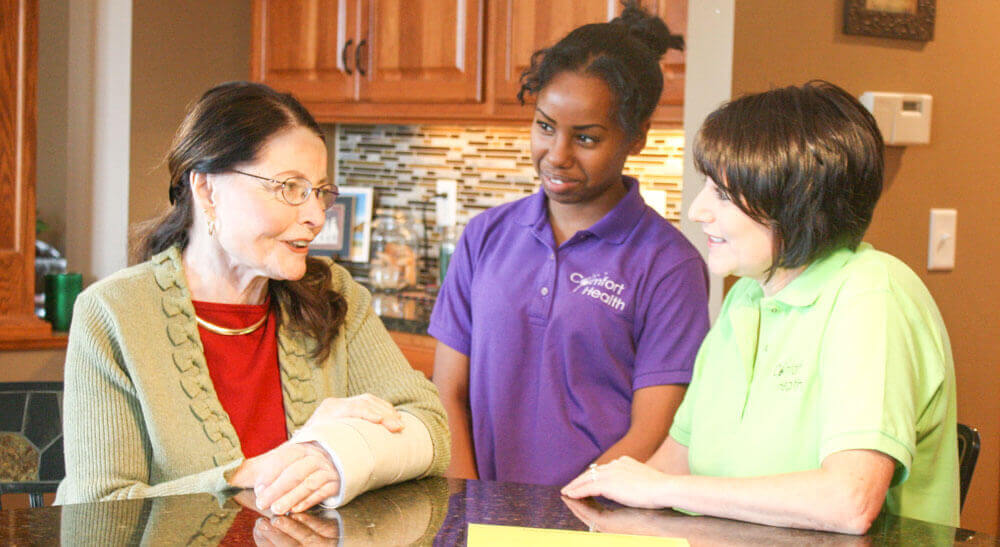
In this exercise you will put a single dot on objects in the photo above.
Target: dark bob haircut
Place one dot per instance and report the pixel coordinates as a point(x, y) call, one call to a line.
point(624, 52)
point(806, 161)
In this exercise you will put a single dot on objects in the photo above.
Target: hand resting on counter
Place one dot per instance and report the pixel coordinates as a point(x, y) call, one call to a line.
point(298, 475)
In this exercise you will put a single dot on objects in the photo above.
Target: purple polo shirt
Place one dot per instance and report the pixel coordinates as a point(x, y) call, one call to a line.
point(558, 339)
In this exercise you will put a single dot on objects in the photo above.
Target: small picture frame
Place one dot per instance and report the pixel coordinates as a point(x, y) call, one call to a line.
point(899, 19)
point(335, 237)
point(361, 221)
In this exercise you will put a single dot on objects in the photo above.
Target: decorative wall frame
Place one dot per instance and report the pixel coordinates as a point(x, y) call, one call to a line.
point(901, 19)
point(336, 237)
point(361, 223)
point(347, 233)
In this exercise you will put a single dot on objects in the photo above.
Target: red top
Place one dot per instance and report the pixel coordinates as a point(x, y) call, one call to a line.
point(244, 371)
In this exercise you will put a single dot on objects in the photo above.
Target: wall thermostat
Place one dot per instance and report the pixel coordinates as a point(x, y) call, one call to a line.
point(903, 118)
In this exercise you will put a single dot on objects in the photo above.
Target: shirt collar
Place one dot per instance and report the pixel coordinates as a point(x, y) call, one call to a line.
point(615, 226)
point(805, 289)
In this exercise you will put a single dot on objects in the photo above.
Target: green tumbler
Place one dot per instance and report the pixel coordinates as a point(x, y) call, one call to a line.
point(61, 290)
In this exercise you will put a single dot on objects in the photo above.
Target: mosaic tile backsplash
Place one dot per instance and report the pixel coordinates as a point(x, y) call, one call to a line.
point(492, 164)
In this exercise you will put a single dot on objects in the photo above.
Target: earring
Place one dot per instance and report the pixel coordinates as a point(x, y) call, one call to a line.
point(211, 224)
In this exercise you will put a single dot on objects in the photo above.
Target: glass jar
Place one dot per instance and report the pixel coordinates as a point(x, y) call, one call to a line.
point(394, 252)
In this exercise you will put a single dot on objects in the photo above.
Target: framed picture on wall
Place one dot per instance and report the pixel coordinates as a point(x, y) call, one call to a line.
point(335, 238)
point(901, 19)
point(361, 221)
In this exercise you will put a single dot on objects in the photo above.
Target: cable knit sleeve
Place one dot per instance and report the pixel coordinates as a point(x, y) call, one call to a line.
point(377, 366)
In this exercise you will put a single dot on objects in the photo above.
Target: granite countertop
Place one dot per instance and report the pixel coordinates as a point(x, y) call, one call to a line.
point(432, 511)
point(407, 310)
point(404, 311)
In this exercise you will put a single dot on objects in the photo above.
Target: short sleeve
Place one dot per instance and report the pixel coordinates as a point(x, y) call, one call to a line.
point(672, 327)
point(680, 428)
point(868, 378)
point(451, 319)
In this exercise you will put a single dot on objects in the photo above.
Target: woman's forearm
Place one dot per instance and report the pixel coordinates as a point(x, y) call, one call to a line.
point(463, 458)
point(845, 495)
point(451, 376)
point(653, 411)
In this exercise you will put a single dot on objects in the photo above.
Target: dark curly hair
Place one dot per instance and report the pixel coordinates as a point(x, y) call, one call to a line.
point(624, 52)
point(227, 126)
point(806, 161)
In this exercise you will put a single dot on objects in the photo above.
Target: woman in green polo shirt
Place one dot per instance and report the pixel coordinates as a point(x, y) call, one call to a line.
point(825, 391)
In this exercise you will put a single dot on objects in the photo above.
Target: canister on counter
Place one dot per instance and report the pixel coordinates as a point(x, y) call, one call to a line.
point(61, 290)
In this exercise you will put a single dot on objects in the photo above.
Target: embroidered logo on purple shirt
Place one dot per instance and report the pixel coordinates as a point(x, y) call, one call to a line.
point(599, 286)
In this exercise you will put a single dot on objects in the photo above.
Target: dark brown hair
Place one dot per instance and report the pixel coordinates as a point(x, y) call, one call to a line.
point(624, 52)
point(227, 126)
point(806, 161)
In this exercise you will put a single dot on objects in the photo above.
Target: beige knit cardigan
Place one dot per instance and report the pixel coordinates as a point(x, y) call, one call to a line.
point(141, 416)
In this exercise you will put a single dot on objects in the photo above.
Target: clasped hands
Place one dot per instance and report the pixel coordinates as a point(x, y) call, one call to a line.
point(296, 476)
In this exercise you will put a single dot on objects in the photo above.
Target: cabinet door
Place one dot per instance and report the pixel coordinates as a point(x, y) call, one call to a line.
point(422, 51)
point(525, 26)
point(307, 47)
point(674, 13)
point(18, 76)
point(418, 350)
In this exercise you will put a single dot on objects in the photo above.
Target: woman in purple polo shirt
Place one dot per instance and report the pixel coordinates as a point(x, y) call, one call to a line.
point(569, 320)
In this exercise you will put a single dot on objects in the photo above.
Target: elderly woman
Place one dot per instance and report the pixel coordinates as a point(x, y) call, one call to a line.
point(825, 391)
point(187, 372)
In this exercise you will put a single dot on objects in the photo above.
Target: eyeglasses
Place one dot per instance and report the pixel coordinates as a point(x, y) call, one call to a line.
point(296, 190)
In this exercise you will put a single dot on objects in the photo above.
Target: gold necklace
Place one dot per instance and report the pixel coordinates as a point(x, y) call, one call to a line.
point(230, 332)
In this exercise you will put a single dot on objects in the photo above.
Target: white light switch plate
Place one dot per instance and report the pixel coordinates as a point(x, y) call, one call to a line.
point(446, 207)
point(941, 245)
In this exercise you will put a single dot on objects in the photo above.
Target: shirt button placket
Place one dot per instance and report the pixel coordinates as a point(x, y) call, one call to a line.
point(548, 280)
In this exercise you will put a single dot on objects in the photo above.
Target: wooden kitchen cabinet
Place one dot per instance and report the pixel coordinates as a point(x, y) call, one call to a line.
point(19, 68)
point(402, 61)
point(302, 47)
point(362, 59)
point(418, 350)
point(524, 26)
point(520, 27)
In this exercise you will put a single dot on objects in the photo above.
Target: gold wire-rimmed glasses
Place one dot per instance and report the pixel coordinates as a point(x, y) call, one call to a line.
point(296, 190)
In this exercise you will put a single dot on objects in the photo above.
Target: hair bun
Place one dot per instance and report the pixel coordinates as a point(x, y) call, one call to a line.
point(648, 29)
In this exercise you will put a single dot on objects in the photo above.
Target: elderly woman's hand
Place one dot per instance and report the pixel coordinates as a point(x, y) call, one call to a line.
point(365, 406)
point(624, 480)
point(290, 478)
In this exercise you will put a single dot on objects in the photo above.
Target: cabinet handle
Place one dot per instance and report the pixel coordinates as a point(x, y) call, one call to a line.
point(357, 57)
point(343, 56)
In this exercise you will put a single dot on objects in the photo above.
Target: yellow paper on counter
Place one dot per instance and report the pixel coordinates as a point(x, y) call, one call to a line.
point(489, 535)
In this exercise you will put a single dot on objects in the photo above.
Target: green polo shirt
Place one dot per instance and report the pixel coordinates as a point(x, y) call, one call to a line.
point(852, 354)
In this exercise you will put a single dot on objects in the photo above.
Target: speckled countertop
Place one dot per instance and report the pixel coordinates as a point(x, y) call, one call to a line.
point(407, 311)
point(432, 511)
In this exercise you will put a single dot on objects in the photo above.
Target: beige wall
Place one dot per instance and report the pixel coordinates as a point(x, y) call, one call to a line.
point(778, 42)
point(53, 78)
point(179, 50)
